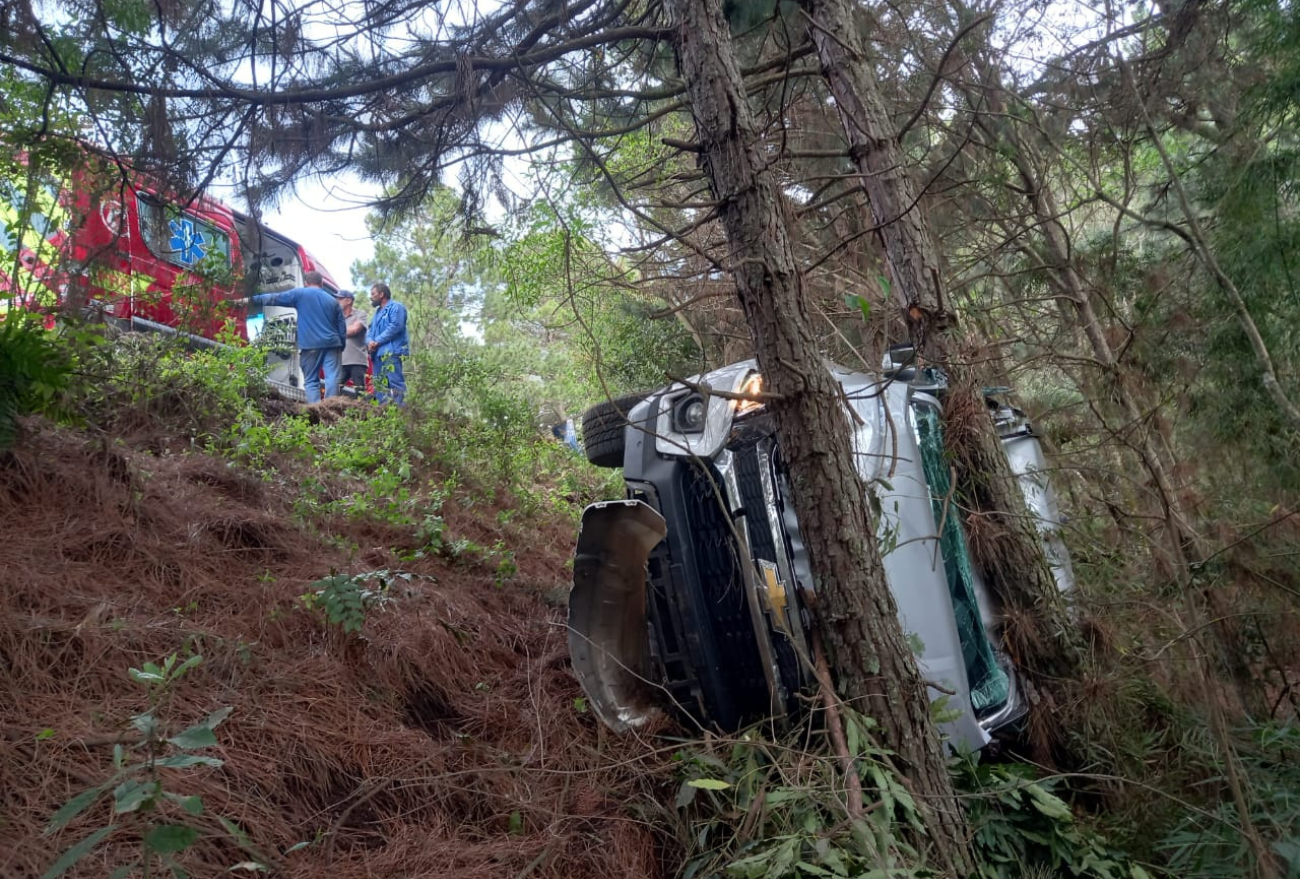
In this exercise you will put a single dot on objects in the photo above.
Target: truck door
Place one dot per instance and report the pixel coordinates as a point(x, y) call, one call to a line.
point(182, 265)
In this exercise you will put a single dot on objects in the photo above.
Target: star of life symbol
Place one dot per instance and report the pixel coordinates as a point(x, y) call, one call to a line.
point(111, 213)
point(187, 242)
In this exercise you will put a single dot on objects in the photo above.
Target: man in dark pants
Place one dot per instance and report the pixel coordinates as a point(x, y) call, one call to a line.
point(321, 331)
point(355, 356)
point(388, 345)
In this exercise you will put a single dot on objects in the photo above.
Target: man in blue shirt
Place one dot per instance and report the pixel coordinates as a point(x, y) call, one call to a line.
point(321, 332)
point(388, 345)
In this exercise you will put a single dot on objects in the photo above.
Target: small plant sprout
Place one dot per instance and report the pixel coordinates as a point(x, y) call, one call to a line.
point(345, 599)
point(144, 803)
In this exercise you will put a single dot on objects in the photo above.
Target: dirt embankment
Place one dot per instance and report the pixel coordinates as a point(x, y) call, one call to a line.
point(445, 740)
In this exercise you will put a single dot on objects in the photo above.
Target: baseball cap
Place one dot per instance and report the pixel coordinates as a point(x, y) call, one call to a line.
point(345, 294)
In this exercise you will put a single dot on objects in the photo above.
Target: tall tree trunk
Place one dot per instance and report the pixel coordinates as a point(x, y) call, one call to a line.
point(1003, 536)
point(856, 609)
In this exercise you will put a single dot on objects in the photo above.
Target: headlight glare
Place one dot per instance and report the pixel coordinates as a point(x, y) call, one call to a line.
point(753, 385)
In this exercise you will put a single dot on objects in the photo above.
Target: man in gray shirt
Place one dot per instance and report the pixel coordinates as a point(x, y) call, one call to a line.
point(355, 358)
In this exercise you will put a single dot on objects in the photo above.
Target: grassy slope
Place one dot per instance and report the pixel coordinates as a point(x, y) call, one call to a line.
point(443, 740)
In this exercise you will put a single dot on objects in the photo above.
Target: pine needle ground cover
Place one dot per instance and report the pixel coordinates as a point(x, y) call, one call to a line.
point(443, 736)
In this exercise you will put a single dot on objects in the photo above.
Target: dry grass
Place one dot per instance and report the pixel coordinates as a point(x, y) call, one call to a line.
point(445, 742)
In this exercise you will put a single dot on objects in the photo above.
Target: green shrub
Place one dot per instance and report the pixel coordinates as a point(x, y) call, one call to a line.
point(345, 599)
point(1019, 823)
point(35, 370)
point(144, 379)
point(143, 785)
point(756, 808)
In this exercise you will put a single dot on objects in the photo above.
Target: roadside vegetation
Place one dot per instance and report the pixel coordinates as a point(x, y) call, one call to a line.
point(251, 550)
point(241, 635)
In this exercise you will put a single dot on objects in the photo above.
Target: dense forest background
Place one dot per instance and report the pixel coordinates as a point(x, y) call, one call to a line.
point(1095, 205)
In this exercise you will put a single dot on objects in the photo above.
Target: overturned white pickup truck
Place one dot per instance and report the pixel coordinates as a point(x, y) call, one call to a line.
point(690, 595)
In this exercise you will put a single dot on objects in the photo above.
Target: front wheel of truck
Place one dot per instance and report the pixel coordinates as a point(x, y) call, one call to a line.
point(604, 430)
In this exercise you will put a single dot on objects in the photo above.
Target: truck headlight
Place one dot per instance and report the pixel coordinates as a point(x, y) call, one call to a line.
point(753, 385)
point(690, 413)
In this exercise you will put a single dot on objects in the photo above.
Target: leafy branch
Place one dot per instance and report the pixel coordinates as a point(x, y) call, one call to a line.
point(141, 799)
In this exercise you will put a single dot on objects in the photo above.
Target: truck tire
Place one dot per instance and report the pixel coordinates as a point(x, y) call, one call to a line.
point(604, 430)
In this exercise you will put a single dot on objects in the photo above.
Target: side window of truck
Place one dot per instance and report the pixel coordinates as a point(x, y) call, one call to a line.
point(178, 236)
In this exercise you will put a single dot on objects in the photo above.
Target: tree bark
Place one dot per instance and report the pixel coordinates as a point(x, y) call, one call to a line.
point(856, 609)
point(1003, 536)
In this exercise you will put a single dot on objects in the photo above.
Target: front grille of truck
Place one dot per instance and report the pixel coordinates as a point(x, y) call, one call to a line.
point(762, 545)
point(722, 589)
point(671, 646)
point(675, 646)
point(703, 645)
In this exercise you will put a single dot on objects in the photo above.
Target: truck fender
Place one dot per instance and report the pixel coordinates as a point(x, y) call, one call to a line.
point(608, 636)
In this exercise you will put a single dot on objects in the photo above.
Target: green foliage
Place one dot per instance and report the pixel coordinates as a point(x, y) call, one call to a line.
point(1209, 844)
point(377, 449)
point(153, 379)
point(433, 537)
point(632, 350)
point(506, 568)
point(491, 320)
point(483, 417)
point(1019, 823)
point(345, 599)
point(565, 305)
point(278, 337)
point(144, 801)
point(401, 466)
point(505, 344)
point(758, 809)
point(1188, 339)
point(30, 114)
point(433, 267)
point(479, 383)
point(1256, 237)
point(35, 369)
point(432, 532)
